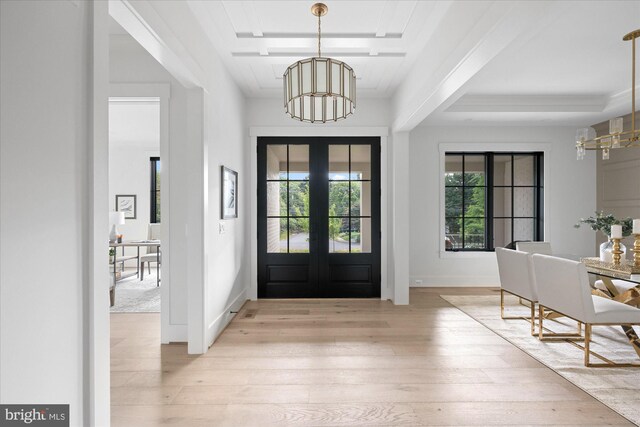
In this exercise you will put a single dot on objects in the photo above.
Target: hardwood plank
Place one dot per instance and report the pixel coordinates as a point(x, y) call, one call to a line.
point(346, 415)
point(516, 413)
point(368, 376)
point(223, 394)
point(362, 393)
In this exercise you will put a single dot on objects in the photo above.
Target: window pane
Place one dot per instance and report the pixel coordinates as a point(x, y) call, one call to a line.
point(276, 235)
point(360, 162)
point(158, 207)
point(453, 201)
point(453, 170)
point(524, 201)
point(360, 235)
point(474, 233)
point(360, 198)
point(501, 232)
point(338, 235)
point(299, 161)
point(339, 198)
point(298, 235)
point(299, 198)
point(474, 201)
point(453, 230)
point(474, 170)
point(277, 198)
point(338, 162)
point(501, 170)
point(514, 198)
point(523, 171)
point(502, 202)
point(276, 162)
point(523, 229)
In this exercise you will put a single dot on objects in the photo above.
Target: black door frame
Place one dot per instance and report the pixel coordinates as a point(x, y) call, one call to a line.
point(331, 274)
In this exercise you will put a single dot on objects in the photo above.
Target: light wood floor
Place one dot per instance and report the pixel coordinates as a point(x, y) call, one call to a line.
point(341, 363)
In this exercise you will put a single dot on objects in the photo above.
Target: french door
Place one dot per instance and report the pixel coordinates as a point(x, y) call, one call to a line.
point(318, 217)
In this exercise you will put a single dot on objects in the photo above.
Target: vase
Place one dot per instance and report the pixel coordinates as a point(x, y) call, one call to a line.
point(606, 251)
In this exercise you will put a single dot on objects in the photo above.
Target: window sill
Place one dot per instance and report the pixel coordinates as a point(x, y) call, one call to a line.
point(467, 254)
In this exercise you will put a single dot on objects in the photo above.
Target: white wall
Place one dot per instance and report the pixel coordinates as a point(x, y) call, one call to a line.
point(216, 135)
point(129, 162)
point(569, 195)
point(129, 63)
point(227, 260)
point(45, 194)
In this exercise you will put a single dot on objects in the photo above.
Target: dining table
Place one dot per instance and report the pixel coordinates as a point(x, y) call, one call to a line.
point(607, 272)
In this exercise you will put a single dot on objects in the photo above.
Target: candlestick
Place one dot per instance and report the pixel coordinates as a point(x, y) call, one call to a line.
point(636, 253)
point(616, 231)
point(617, 252)
point(636, 226)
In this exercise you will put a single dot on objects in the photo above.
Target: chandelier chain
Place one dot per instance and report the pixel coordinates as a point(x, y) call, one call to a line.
point(319, 33)
point(633, 84)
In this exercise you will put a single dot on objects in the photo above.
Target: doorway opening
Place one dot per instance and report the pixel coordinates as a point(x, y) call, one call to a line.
point(319, 217)
point(135, 204)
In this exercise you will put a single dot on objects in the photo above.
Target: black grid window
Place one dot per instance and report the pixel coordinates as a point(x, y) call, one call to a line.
point(288, 198)
point(155, 190)
point(349, 198)
point(492, 199)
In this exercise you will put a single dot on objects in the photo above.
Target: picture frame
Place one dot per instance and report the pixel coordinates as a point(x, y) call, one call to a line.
point(228, 193)
point(127, 203)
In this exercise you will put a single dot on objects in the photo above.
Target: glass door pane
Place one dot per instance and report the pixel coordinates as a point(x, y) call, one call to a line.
point(349, 198)
point(287, 198)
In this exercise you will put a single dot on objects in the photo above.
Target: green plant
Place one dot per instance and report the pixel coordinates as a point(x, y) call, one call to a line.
point(603, 222)
point(112, 251)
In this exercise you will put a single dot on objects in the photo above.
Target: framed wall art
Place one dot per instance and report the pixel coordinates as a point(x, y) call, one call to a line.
point(229, 193)
point(126, 203)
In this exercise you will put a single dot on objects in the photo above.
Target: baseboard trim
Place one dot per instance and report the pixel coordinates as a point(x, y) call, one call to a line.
point(453, 281)
point(216, 327)
point(174, 333)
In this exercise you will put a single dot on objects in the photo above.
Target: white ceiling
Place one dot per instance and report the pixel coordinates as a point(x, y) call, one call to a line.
point(259, 39)
point(574, 70)
point(561, 62)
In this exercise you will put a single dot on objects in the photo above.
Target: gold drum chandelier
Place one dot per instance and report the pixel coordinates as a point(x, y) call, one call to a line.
point(617, 137)
point(319, 89)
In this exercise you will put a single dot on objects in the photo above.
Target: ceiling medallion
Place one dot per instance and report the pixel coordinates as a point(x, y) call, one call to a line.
point(318, 89)
point(616, 138)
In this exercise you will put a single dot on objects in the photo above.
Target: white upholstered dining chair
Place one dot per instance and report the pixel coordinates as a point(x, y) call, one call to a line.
point(516, 278)
point(534, 247)
point(152, 251)
point(563, 286)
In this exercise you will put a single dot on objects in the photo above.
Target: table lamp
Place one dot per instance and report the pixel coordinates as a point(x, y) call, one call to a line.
point(115, 219)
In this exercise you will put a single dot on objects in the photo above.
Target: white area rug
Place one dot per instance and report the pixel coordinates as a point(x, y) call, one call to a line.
point(135, 296)
point(618, 388)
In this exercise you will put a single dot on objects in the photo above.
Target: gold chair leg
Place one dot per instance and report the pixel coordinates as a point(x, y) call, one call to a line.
point(556, 336)
point(540, 317)
point(502, 303)
point(533, 319)
point(587, 341)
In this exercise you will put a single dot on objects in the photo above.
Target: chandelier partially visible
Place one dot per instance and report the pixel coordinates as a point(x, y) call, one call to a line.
point(617, 137)
point(319, 89)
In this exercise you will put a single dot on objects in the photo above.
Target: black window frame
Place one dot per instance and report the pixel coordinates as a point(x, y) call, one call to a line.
point(489, 218)
point(154, 191)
